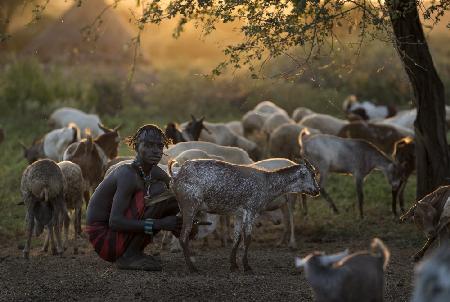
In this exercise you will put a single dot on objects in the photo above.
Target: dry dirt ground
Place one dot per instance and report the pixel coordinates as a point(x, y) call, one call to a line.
point(87, 277)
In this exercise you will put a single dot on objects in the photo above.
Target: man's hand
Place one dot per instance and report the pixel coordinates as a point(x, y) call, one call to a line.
point(174, 224)
point(169, 223)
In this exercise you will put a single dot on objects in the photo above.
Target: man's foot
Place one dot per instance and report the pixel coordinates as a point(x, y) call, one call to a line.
point(139, 262)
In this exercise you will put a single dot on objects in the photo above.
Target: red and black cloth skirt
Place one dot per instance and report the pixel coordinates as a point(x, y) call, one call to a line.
point(110, 244)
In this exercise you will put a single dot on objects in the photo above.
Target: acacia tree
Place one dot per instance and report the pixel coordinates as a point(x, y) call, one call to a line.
point(274, 27)
point(9, 7)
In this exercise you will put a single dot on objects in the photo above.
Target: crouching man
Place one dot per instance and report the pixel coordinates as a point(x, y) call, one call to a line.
point(121, 218)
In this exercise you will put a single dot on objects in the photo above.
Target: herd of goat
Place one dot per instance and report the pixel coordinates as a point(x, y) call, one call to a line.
point(248, 169)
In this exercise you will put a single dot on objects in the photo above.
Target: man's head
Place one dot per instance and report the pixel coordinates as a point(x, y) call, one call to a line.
point(148, 142)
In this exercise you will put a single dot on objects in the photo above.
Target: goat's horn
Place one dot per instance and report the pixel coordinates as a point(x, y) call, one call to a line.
point(117, 127)
point(206, 129)
point(103, 128)
point(193, 118)
point(299, 262)
point(326, 260)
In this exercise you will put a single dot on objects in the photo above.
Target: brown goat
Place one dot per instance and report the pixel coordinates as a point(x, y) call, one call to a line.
point(430, 214)
point(92, 156)
point(347, 278)
point(382, 136)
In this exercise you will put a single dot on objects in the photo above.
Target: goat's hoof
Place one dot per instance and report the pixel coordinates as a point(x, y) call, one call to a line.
point(44, 249)
point(292, 246)
point(280, 243)
point(26, 255)
point(193, 270)
point(75, 251)
point(234, 268)
point(248, 270)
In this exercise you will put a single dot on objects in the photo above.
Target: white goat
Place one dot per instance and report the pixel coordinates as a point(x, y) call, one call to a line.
point(300, 112)
point(62, 117)
point(275, 121)
point(236, 127)
point(405, 118)
point(230, 154)
point(357, 157)
point(221, 134)
point(241, 191)
point(269, 107)
point(56, 141)
point(327, 124)
point(53, 144)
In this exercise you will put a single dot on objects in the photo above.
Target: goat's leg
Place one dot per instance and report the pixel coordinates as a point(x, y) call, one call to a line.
point(66, 224)
point(304, 203)
point(76, 228)
point(324, 194)
point(78, 218)
point(52, 239)
point(422, 251)
point(247, 240)
point(87, 197)
point(30, 227)
point(248, 221)
point(330, 201)
point(46, 242)
point(360, 193)
point(236, 240)
point(57, 229)
point(175, 245)
point(291, 205)
point(225, 226)
point(188, 220)
point(284, 237)
point(401, 195)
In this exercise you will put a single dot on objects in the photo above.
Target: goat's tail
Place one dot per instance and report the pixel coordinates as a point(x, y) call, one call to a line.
point(379, 248)
point(169, 167)
point(44, 194)
point(304, 132)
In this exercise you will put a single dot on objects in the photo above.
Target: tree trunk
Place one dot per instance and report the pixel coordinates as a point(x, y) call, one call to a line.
point(432, 156)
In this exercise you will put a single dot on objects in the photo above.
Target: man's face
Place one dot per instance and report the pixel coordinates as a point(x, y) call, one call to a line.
point(150, 148)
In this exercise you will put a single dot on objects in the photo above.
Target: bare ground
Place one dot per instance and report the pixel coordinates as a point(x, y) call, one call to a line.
point(87, 277)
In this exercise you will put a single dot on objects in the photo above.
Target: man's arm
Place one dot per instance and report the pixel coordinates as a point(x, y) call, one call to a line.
point(126, 187)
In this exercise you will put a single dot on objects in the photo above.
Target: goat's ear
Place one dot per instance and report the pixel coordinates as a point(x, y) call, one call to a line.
point(299, 262)
point(201, 119)
point(107, 130)
point(327, 260)
point(20, 203)
point(117, 127)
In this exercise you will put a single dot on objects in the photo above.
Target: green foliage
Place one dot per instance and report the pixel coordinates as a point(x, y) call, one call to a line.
point(24, 81)
point(107, 96)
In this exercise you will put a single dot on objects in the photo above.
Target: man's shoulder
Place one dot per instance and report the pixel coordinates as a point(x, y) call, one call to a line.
point(124, 170)
point(159, 173)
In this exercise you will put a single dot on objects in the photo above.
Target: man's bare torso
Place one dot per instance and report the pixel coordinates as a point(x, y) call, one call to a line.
point(100, 204)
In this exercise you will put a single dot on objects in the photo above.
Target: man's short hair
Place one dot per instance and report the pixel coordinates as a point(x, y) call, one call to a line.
point(133, 141)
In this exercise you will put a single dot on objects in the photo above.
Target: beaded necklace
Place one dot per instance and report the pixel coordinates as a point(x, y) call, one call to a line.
point(146, 178)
